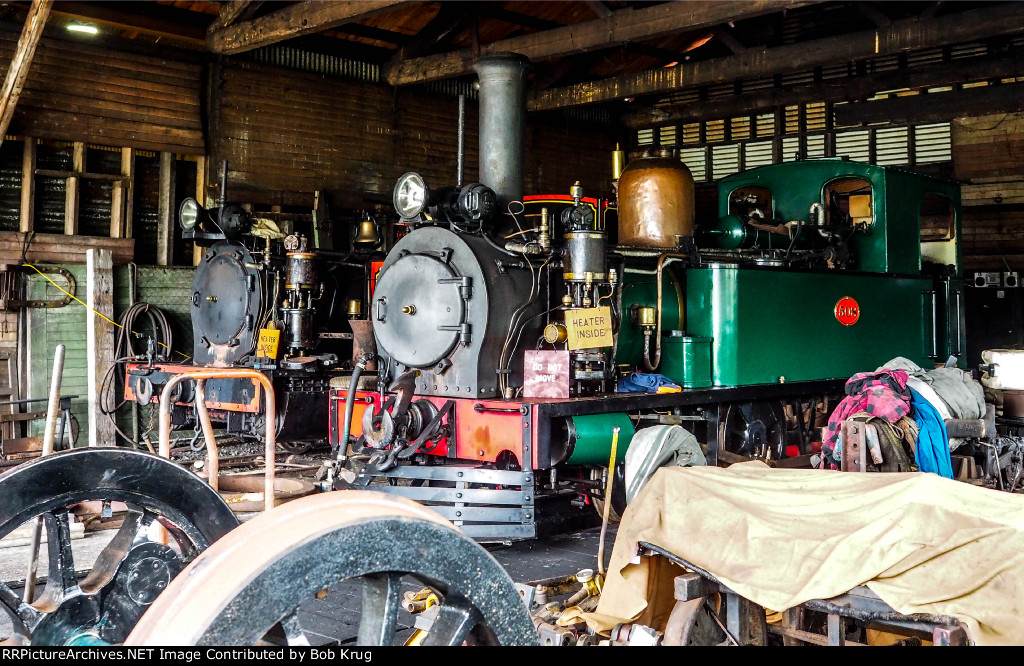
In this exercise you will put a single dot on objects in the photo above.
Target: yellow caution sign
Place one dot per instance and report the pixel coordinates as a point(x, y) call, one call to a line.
point(589, 328)
point(266, 344)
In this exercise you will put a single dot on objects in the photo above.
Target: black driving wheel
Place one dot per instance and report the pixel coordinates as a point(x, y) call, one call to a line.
point(132, 570)
point(754, 430)
point(255, 579)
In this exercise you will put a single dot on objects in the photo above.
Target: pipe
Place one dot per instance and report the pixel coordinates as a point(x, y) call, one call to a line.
point(502, 124)
point(212, 455)
point(664, 259)
point(223, 184)
point(52, 407)
point(270, 416)
point(460, 167)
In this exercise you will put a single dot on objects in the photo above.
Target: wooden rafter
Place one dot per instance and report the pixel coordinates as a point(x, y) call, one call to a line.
point(450, 18)
point(232, 12)
point(295, 20)
point(899, 36)
point(17, 72)
point(621, 27)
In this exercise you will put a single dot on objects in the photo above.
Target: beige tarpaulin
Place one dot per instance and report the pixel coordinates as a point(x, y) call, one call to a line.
point(779, 537)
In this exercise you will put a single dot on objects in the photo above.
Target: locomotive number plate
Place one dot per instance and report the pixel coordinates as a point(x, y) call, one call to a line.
point(847, 311)
point(589, 328)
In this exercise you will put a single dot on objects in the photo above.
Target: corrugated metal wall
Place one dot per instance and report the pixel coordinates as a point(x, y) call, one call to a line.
point(77, 91)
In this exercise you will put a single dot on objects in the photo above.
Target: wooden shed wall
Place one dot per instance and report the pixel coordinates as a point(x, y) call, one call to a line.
point(84, 92)
point(287, 134)
point(988, 156)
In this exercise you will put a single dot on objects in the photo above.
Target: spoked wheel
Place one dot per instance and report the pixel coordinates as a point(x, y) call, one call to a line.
point(258, 576)
point(754, 430)
point(618, 506)
point(132, 570)
point(691, 623)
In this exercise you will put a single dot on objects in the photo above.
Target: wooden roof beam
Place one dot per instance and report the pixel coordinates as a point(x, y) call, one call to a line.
point(17, 72)
point(620, 27)
point(232, 12)
point(899, 36)
point(295, 20)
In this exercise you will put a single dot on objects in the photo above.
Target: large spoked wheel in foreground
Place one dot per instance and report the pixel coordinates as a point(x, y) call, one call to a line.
point(255, 578)
point(132, 570)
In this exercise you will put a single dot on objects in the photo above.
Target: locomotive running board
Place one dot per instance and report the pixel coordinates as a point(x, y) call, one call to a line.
point(482, 503)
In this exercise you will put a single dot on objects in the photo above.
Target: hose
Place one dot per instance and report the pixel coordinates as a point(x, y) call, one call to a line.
point(346, 422)
point(125, 352)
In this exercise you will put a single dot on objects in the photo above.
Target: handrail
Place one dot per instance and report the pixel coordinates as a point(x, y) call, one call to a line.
point(270, 419)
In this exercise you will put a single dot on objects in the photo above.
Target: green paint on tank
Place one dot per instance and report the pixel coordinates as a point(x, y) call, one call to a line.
point(771, 325)
point(593, 438)
point(640, 288)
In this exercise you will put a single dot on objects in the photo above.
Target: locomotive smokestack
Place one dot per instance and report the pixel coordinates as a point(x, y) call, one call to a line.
point(502, 124)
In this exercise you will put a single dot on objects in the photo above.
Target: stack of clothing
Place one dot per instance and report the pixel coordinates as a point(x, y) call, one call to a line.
point(950, 392)
point(904, 408)
point(882, 401)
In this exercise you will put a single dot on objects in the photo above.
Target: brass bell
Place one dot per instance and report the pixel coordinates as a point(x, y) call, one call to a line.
point(367, 234)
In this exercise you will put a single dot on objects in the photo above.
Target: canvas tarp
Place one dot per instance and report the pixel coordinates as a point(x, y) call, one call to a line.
point(780, 537)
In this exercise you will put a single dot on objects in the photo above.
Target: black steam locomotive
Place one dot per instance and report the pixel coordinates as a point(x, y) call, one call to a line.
point(262, 299)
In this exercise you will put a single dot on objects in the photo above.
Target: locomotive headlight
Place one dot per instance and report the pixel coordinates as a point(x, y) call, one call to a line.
point(188, 214)
point(410, 195)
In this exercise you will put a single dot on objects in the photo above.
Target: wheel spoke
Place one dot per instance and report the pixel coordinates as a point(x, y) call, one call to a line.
point(23, 616)
point(379, 622)
point(456, 618)
point(61, 581)
point(110, 558)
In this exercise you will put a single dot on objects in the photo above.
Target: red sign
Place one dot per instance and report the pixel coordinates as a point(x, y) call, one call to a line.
point(847, 311)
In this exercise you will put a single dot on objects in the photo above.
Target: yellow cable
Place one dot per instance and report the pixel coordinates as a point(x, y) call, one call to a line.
point(100, 314)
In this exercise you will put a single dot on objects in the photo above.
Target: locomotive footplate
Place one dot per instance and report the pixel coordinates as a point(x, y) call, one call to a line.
point(480, 469)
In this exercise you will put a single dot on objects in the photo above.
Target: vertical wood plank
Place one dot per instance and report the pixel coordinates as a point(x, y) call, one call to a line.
point(165, 226)
point(99, 339)
point(197, 252)
point(121, 197)
point(71, 194)
point(28, 185)
point(128, 171)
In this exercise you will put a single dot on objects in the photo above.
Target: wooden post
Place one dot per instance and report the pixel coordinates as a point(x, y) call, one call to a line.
point(71, 193)
point(121, 197)
point(165, 225)
point(17, 72)
point(197, 252)
point(99, 340)
point(28, 185)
